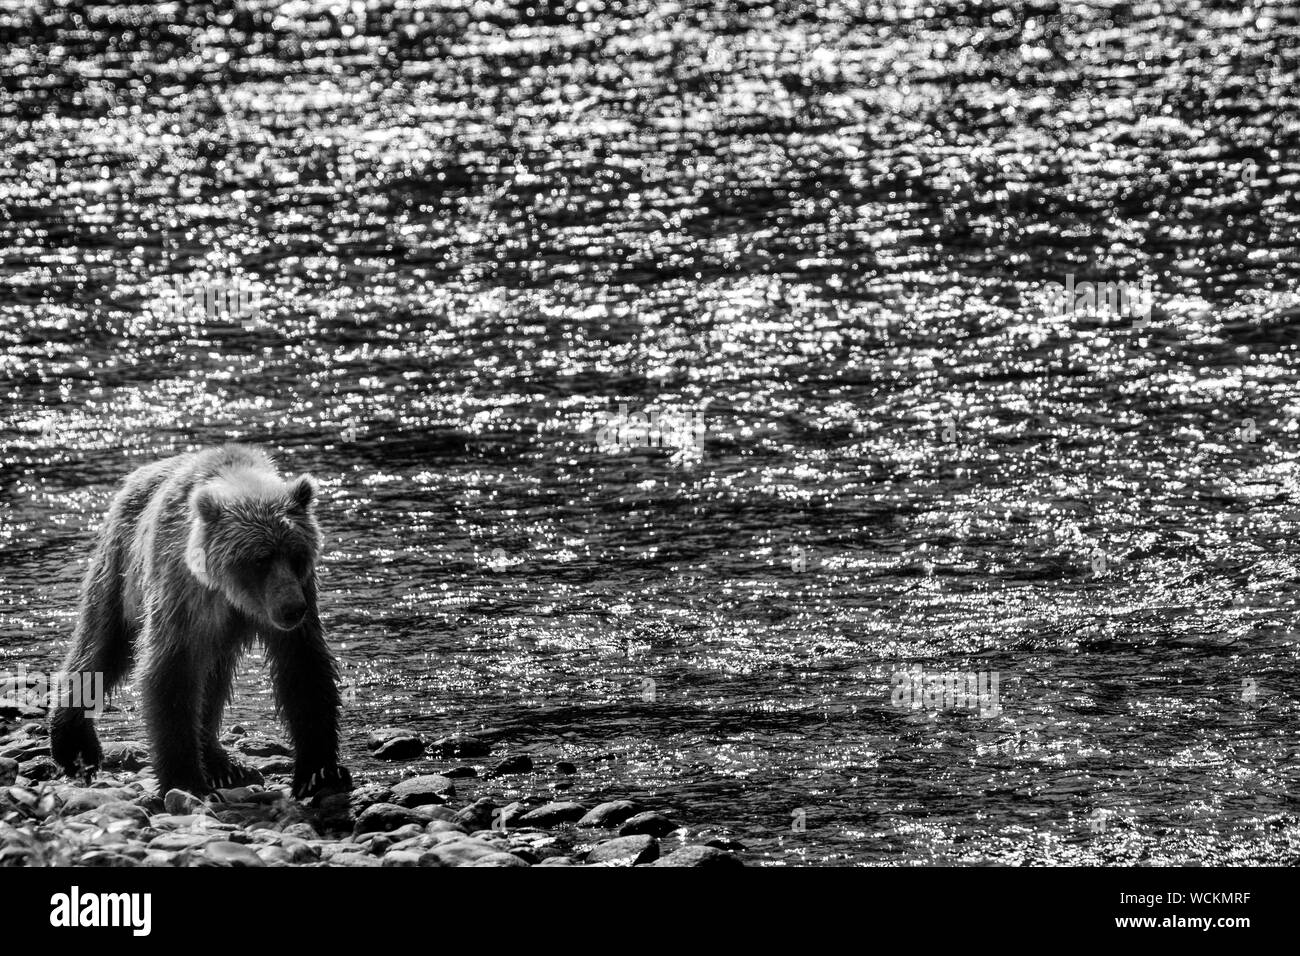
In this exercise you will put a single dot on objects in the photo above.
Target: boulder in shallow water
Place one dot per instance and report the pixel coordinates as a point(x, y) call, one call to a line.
point(387, 817)
point(650, 823)
point(459, 745)
point(395, 743)
point(626, 850)
point(519, 763)
point(612, 813)
point(698, 856)
point(553, 814)
point(425, 789)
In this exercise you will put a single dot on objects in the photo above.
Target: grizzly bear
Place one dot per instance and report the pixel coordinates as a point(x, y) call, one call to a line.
point(202, 555)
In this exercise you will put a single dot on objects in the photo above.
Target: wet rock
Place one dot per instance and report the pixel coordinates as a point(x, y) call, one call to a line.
point(478, 815)
point(626, 850)
point(556, 861)
point(263, 747)
point(553, 814)
point(105, 858)
point(150, 803)
point(124, 755)
point(395, 743)
point(274, 856)
point(650, 823)
point(303, 831)
point(401, 858)
point(179, 802)
point(721, 844)
point(224, 853)
point(80, 799)
point(36, 730)
point(609, 814)
point(118, 811)
point(40, 769)
point(507, 816)
point(698, 856)
point(370, 794)
point(387, 817)
point(457, 772)
point(25, 748)
point(271, 766)
point(459, 745)
point(425, 789)
point(498, 859)
point(464, 852)
point(565, 767)
point(520, 763)
point(183, 840)
point(8, 771)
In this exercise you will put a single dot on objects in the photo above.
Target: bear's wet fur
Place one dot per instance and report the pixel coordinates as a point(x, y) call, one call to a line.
point(200, 556)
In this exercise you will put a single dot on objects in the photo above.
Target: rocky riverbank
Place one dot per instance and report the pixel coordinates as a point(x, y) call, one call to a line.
point(423, 819)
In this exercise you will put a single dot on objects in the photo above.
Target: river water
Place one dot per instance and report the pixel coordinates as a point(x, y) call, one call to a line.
point(448, 241)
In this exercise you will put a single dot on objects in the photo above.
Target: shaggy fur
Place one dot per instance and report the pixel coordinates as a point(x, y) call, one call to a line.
point(200, 556)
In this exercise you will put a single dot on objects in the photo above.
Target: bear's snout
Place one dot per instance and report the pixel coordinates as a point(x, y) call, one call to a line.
point(288, 612)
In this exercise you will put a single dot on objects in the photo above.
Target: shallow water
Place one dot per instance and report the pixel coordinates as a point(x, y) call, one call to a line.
point(470, 236)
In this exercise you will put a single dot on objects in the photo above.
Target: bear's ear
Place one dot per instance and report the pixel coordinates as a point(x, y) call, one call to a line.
point(208, 506)
point(302, 493)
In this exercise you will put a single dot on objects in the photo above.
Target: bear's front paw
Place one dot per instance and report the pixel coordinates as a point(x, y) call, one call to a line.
point(322, 781)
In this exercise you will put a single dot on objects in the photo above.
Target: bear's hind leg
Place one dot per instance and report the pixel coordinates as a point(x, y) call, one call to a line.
point(99, 658)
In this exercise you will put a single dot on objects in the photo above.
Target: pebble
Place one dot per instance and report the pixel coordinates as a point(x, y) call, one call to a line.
point(553, 814)
point(651, 823)
point(626, 850)
point(520, 763)
point(609, 814)
point(120, 819)
point(698, 856)
point(458, 745)
point(395, 743)
point(224, 853)
point(418, 791)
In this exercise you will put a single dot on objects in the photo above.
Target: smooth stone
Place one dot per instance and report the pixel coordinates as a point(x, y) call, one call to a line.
point(224, 853)
point(386, 817)
point(459, 745)
point(478, 815)
point(263, 747)
point(507, 816)
point(425, 789)
point(117, 811)
point(8, 771)
point(455, 773)
point(401, 858)
point(369, 794)
point(463, 852)
point(698, 856)
point(271, 765)
point(36, 730)
point(499, 859)
point(129, 755)
point(565, 767)
point(79, 799)
point(395, 743)
point(274, 856)
point(556, 861)
point(553, 814)
point(609, 814)
point(627, 850)
point(303, 831)
point(40, 769)
point(180, 802)
point(651, 822)
point(522, 763)
point(105, 858)
point(183, 841)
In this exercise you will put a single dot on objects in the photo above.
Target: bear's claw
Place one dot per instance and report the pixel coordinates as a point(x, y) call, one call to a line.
point(334, 779)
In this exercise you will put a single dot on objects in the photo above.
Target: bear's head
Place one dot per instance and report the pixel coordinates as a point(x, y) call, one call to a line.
point(254, 538)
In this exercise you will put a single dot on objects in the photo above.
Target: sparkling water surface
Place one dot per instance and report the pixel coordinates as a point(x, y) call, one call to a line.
point(473, 230)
